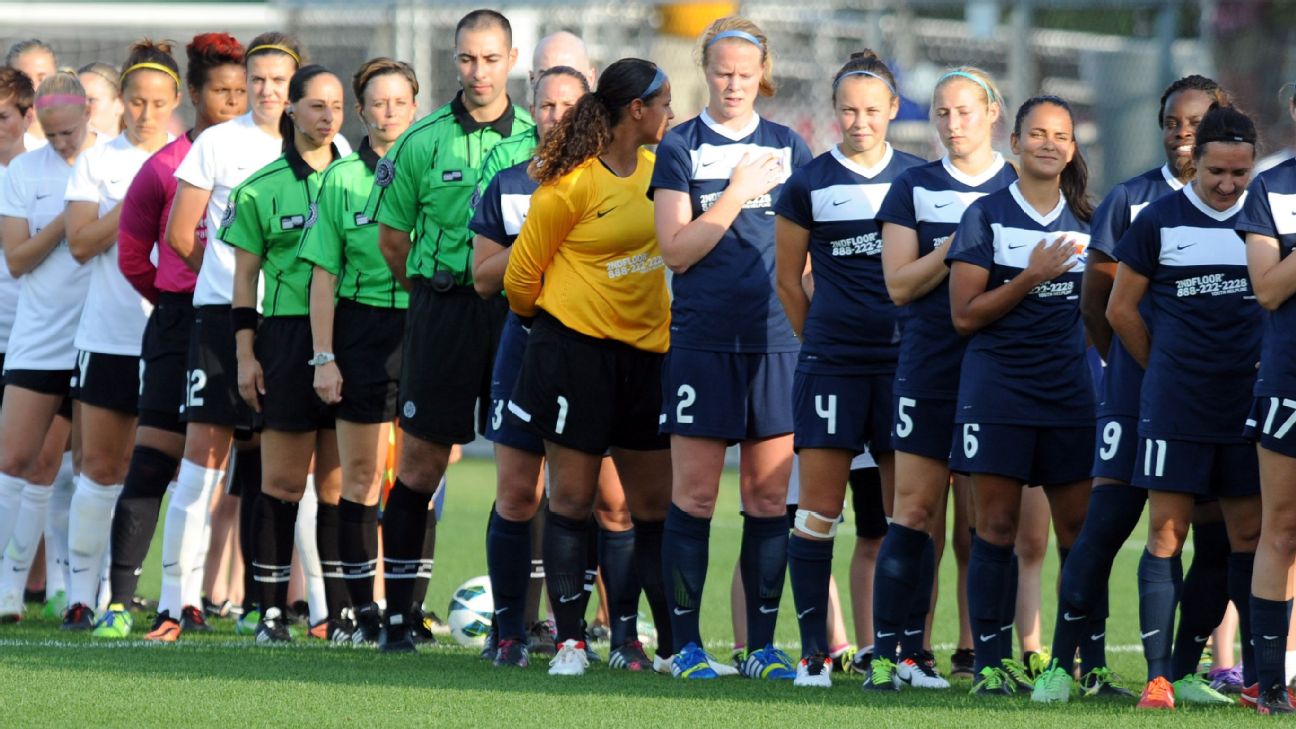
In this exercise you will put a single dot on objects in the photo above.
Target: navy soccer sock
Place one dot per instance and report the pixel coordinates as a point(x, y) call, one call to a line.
point(684, 568)
point(617, 558)
point(564, 551)
point(989, 579)
point(1205, 597)
point(810, 567)
point(1160, 581)
point(1240, 567)
point(508, 559)
point(1270, 620)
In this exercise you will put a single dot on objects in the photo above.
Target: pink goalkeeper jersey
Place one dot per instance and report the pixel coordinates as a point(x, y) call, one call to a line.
point(142, 227)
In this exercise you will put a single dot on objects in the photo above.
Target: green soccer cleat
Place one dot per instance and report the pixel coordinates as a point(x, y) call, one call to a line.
point(881, 676)
point(1101, 682)
point(55, 606)
point(1037, 662)
point(1019, 674)
point(1053, 686)
point(247, 623)
point(993, 681)
point(1193, 689)
point(116, 623)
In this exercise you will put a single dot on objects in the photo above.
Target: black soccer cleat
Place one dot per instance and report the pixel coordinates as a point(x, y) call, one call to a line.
point(397, 637)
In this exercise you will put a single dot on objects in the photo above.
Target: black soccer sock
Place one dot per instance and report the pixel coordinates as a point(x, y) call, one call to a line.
point(591, 564)
point(1072, 621)
point(989, 575)
point(426, 562)
point(508, 558)
point(535, 583)
point(1008, 612)
point(1160, 582)
point(327, 543)
point(135, 518)
point(810, 568)
point(1240, 567)
point(564, 553)
point(247, 474)
point(617, 559)
point(1093, 647)
point(404, 528)
point(648, 563)
point(684, 568)
point(1204, 599)
point(763, 563)
point(895, 584)
point(911, 642)
point(358, 547)
point(273, 528)
point(1270, 620)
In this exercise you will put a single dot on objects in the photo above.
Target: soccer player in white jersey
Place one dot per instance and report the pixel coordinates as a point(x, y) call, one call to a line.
point(36, 60)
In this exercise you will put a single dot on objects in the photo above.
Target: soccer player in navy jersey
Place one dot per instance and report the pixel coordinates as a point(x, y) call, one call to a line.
point(1199, 358)
point(849, 339)
point(918, 215)
point(1025, 402)
point(728, 375)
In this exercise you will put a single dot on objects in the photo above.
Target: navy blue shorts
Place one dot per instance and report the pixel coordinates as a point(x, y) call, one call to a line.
point(1272, 424)
point(1036, 455)
point(732, 396)
point(1201, 469)
point(923, 426)
point(848, 412)
point(508, 363)
point(1116, 441)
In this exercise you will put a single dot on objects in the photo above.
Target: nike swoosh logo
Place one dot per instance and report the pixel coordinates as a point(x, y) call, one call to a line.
point(840, 202)
point(1200, 638)
point(568, 598)
point(76, 571)
point(765, 611)
point(804, 613)
point(709, 163)
point(990, 637)
point(913, 632)
point(943, 205)
point(114, 182)
point(501, 611)
point(1067, 616)
point(885, 635)
point(42, 197)
point(1100, 636)
point(169, 564)
point(1012, 247)
point(19, 569)
point(627, 618)
point(1269, 637)
point(601, 213)
point(1149, 634)
point(683, 612)
point(1185, 245)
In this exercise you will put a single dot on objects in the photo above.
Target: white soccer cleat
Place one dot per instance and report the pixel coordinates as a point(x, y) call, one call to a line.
point(11, 607)
point(662, 665)
point(570, 660)
point(814, 671)
point(920, 673)
point(722, 669)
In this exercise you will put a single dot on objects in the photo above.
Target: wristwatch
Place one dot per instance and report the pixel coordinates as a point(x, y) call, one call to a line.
point(321, 358)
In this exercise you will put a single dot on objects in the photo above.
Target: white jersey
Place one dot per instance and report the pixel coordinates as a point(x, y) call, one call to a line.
point(34, 141)
point(49, 296)
point(114, 316)
point(222, 157)
point(9, 284)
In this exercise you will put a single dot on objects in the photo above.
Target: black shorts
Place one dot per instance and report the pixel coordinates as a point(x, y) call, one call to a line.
point(284, 348)
point(446, 360)
point(211, 372)
point(46, 382)
point(109, 381)
point(163, 355)
point(586, 393)
point(367, 342)
point(866, 500)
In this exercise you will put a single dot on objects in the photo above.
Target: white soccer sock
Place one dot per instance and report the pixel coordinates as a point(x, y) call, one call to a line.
point(11, 489)
point(308, 552)
point(89, 527)
point(191, 584)
point(56, 528)
point(182, 535)
point(24, 540)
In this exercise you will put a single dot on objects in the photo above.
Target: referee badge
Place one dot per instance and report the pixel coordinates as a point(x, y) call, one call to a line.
point(228, 218)
point(385, 172)
point(312, 215)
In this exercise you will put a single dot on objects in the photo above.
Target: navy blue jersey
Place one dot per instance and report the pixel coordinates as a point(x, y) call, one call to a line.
point(726, 301)
point(1270, 210)
point(1124, 377)
point(931, 199)
point(1029, 366)
point(502, 207)
point(1208, 325)
point(851, 325)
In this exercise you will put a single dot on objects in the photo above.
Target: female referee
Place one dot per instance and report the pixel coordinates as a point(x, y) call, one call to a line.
point(587, 383)
point(275, 362)
point(1182, 256)
point(918, 216)
point(729, 373)
point(1025, 404)
point(357, 315)
point(842, 391)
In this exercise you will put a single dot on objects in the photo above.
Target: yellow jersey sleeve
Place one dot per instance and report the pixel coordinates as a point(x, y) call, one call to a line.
point(552, 217)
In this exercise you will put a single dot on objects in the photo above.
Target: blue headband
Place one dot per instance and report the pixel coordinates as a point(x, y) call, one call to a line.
point(742, 34)
point(870, 74)
point(654, 85)
point(991, 96)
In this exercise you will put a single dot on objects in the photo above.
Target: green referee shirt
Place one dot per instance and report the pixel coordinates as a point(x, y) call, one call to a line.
point(509, 153)
point(426, 182)
point(266, 215)
point(344, 242)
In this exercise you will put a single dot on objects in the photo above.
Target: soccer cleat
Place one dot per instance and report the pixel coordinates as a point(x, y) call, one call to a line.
point(434, 624)
point(55, 606)
point(423, 627)
point(1158, 694)
point(662, 664)
point(721, 668)
point(841, 658)
point(368, 626)
point(1101, 682)
point(769, 663)
point(963, 663)
point(11, 608)
point(1037, 662)
point(1250, 696)
point(397, 638)
point(273, 628)
point(78, 617)
point(598, 633)
point(1275, 700)
point(693, 663)
point(570, 659)
point(993, 681)
point(859, 663)
point(1193, 689)
point(629, 656)
point(1019, 674)
point(165, 628)
point(919, 671)
point(1052, 686)
point(490, 646)
point(881, 676)
point(191, 618)
point(298, 613)
point(540, 639)
point(216, 610)
point(247, 622)
point(1226, 680)
point(116, 623)
point(814, 671)
point(319, 630)
point(511, 653)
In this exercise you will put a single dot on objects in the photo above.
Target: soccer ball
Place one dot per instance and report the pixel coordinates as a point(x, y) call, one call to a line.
point(471, 608)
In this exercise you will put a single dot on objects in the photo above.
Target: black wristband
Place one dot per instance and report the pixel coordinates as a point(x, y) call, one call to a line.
point(244, 317)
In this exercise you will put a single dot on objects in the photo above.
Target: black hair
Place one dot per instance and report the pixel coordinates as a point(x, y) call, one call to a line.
point(586, 130)
point(484, 18)
point(1224, 123)
point(1195, 82)
point(1075, 176)
point(865, 62)
point(296, 90)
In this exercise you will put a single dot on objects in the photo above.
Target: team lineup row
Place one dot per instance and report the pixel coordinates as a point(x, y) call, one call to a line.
point(256, 282)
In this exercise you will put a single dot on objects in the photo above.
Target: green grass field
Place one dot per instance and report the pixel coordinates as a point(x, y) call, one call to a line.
point(51, 678)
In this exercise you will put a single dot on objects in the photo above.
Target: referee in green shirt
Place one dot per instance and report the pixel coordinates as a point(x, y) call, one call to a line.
point(421, 200)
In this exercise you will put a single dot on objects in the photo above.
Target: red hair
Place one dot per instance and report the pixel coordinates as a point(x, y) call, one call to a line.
point(209, 50)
